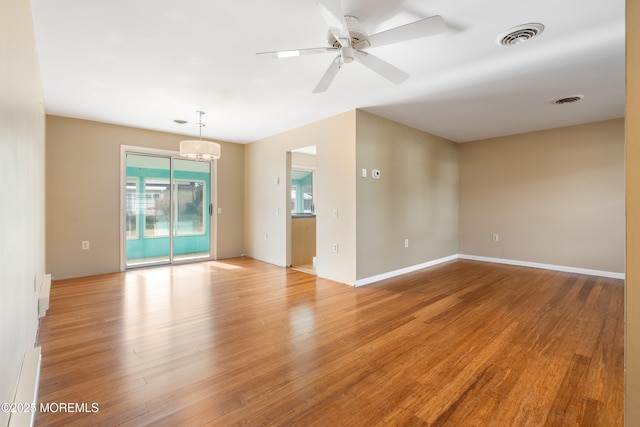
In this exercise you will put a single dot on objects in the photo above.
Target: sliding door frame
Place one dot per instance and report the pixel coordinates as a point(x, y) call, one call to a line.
point(213, 197)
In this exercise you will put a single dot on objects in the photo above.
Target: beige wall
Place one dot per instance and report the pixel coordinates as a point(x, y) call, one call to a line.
point(267, 202)
point(305, 161)
point(415, 198)
point(553, 197)
point(22, 152)
point(632, 337)
point(83, 193)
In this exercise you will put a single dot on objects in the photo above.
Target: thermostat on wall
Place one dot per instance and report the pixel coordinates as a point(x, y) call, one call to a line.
point(375, 173)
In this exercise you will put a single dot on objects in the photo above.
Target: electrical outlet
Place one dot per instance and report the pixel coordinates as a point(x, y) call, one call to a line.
point(85, 245)
point(335, 248)
point(335, 213)
point(495, 238)
point(406, 243)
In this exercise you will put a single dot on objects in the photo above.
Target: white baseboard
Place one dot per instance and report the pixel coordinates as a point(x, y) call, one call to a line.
point(390, 274)
point(610, 274)
point(402, 271)
point(43, 295)
point(26, 397)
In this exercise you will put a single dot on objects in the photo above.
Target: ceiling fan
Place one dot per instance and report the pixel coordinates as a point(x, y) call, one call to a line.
point(348, 39)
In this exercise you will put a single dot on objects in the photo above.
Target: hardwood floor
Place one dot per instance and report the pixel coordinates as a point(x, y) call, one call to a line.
point(240, 342)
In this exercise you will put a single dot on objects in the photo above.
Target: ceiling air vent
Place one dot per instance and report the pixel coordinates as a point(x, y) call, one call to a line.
point(520, 34)
point(569, 99)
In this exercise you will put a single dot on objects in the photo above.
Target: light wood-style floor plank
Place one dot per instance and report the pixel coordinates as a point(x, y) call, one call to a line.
point(240, 342)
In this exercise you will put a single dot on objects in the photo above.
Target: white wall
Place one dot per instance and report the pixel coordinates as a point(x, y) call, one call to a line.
point(266, 202)
point(22, 191)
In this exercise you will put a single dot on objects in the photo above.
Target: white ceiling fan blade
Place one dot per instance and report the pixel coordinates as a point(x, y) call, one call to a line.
point(331, 11)
point(278, 54)
point(415, 30)
point(329, 75)
point(381, 67)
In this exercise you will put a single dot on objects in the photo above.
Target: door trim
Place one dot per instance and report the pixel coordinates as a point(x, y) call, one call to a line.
point(213, 197)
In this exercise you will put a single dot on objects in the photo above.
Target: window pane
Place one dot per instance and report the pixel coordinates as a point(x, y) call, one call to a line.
point(190, 207)
point(191, 219)
point(157, 207)
point(147, 210)
point(301, 191)
point(132, 208)
point(307, 198)
point(294, 198)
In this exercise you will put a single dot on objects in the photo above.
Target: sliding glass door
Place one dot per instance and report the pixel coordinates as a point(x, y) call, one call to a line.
point(191, 209)
point(167, 210)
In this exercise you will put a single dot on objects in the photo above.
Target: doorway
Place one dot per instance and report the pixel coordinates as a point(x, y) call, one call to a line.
point(302, 209)
point(167, 209)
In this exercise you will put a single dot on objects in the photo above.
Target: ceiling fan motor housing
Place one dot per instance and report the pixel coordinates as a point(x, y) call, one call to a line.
point(358, 36)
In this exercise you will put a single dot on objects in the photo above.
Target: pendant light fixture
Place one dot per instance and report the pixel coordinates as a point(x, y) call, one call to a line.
point(197, 149)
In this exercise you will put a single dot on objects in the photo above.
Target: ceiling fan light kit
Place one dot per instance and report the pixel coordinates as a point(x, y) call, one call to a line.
point(347, 38)
point(347, 54)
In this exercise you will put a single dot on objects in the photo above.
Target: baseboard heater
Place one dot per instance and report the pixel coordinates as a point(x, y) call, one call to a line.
point(43, 295)
point(25, 400)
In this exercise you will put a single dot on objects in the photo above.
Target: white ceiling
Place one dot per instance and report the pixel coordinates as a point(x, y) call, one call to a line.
point(144, 63)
